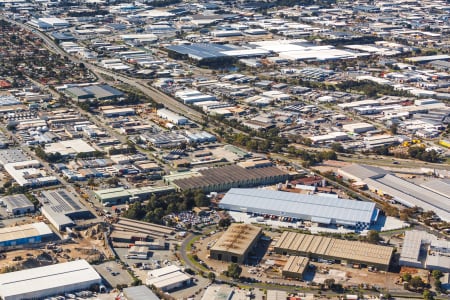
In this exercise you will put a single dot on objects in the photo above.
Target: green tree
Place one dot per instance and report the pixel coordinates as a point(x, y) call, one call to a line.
point(373, 237)
point(337, 147)
point(427, 295)
point(417, 283)
point(212, 276)
point(224, 222)
point(234, 271)
point(329, 282)
point(437, 274)
point(407, 277)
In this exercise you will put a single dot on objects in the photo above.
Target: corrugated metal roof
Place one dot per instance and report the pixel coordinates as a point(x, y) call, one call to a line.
point(71, 275)
point(410, 194)
point(296, 205)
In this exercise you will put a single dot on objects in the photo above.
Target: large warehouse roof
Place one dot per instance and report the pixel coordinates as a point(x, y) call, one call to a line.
point(32, 282)
point(24, 231)
point(229, 175)
point(237, 239)
point(338, 249)
point(410, 194)
point(316, 208)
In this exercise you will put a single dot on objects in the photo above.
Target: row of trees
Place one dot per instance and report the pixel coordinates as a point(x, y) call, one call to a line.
point(159, 206)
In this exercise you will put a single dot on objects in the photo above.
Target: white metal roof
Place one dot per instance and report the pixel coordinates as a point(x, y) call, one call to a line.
point(43, 278)
point(296, 205)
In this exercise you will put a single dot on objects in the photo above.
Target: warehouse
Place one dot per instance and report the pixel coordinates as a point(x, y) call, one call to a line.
point(99, 92)
point(30, 174)
point(410, 194)
point(17, 204)
point(8, 156)
point(118, 112)
point(342, 251)
point(226, 177)
point(60, 208)
point(38, 283)
point(69, 147)
point(235, 244)
point(120, 195)
point(402, 191)
point(424, 250)
point(295, 267)
point(321, 209)
point(24, 234)
point(358, 127)
point(168, 278)
point(140, 292)
point(171, 117)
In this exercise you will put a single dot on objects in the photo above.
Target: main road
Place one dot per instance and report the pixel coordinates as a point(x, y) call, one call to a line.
point(139, 84)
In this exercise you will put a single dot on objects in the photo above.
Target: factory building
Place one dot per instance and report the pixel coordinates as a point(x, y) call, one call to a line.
point(295, 267)
point(343, 251)
point(235, 244)
point(17, 204)
point(120, 195)
point(402, 191)
point(171, 117)
point(140, 292)
point(168, 278)
point(320, 209)
point(38, 283)
point(358, 127)
point(99, 92)
point(61, 208)
point(24, 234)
point(424, 250)
point(226, 177)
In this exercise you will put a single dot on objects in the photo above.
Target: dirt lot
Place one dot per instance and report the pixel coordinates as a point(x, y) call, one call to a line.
point(85, 247)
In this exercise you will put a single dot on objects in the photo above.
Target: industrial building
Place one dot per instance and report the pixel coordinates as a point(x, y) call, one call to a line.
point(171, 117)
point(61, 208)
point(17, 204)
point(132, 230)
point(120, 195)
point(99, 92)
point(29, 174)
point(320, 209)
point(423, 250)
point(8, 156)
point(38, 283)
point(24, 234)
point(168, 278)
point(295, 267)
point(140, 292)
point(343, 251)
point(402, 191)
point(358, 127)
point(226, 177)
point(235, 244)
point(69, 147)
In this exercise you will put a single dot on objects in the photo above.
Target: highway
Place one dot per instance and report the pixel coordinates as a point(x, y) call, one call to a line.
point(140, 84)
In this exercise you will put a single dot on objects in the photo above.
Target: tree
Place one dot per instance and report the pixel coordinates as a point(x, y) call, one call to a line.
point(234, 271)
point(438, 286)
point(406, 277)
point(437, 274)
point(337, 147)
point(417, 283)
point(427, 295)
point(212, 276)
point(224, 222)
point(373, 237)
point(113, 181)
point(329, 282)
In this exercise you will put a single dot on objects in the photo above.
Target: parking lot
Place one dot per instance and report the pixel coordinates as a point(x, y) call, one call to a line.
point(107, 269)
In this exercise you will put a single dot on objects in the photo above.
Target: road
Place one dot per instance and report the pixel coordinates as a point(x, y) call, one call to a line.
point(140, 84)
